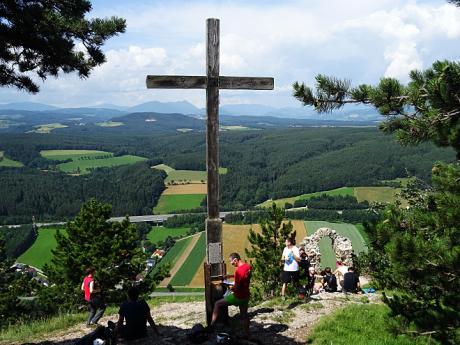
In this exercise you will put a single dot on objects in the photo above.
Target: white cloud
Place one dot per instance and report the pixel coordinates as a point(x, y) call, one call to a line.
point(292, 40)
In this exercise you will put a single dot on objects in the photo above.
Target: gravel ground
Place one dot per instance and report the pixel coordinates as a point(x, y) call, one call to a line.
point(272, 322)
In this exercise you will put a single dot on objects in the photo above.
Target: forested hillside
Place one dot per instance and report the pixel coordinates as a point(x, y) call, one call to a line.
point(261, 165)
point(130, 189)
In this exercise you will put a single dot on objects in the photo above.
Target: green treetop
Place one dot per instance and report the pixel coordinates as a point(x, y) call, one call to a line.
point(45, 37)
point(112, 248)
point(427, 109)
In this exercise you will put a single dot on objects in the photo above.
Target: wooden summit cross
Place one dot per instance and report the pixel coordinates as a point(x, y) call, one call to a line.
point(212, 82)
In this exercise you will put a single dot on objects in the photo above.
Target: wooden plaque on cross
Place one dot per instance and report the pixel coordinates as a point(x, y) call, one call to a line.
point(212, 82)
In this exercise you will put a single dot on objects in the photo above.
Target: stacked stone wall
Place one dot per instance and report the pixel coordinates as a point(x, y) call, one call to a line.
point(341, 246)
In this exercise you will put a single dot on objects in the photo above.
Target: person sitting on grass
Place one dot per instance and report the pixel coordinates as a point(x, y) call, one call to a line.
point(136, 313)
point(351, 282)
point(239, 295)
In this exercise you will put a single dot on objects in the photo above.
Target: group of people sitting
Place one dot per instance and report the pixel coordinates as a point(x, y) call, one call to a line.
point(297, 270)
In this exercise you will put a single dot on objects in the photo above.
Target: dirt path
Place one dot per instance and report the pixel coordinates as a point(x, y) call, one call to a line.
point(181, 260)
point(272, 322)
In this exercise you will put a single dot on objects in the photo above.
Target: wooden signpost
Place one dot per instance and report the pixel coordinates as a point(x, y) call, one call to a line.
point(214, 266)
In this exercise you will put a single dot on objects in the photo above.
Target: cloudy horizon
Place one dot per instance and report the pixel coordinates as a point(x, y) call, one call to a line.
point(290, 41)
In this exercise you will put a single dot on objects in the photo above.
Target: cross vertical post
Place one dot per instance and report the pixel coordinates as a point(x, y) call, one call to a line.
point(214, 267)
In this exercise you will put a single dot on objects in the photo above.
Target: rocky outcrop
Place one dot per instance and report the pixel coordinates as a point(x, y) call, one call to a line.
point(340, 244)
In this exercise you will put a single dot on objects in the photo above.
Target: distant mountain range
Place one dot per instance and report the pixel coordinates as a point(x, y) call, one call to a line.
point(107, 111)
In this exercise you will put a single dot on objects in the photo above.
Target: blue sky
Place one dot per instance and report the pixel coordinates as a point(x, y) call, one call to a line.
point(360, 40)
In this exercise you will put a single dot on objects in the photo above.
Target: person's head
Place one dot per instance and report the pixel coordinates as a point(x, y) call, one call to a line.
point(133, 293)
point(328, 270)
point(351, 269)
point(90, 271)
point(311, 270)
point(302, 252)
point(289, 241)
point(234, 258)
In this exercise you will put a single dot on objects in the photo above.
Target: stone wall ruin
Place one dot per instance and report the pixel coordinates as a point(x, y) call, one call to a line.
point(340, 244)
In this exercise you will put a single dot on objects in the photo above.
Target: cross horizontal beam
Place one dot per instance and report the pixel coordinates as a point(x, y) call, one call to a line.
point(201, 82)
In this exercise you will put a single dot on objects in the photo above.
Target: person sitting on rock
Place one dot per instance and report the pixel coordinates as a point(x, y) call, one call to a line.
point(329, 281)
point(136, 313)
point(341, 270)
point(351, 282)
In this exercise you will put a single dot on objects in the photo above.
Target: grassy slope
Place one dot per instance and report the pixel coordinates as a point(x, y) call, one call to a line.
point(40, 252)
point(6, 162)
point(348, 230)
point(175, 252)
point(360, 325)
point(187, 271)
point(171, 203)
point(281, 202)
point(79, 159)
point(376, 194)
point(160, 233)
point(85, 165)
point(177, 175)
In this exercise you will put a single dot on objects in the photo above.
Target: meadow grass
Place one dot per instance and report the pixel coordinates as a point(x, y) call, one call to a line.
point(376, 194)
point(159, 233)
point(84, 166)
point(187, 271)
point(40, 252)
point(47, 128)
point(9, 163)
point(348, 230)
point(360, 324)
point(185, 175)
point(280, 202)
point(84, 160)
point(177, 202)
point(61, 155)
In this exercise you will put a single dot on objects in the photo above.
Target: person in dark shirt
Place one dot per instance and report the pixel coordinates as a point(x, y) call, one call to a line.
point(304, 264)
point(136, 313)
point(329, 281)
point(351, 281)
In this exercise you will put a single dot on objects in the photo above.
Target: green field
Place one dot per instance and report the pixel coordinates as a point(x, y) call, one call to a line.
point(159, 233)
point(187, 271)
point(281, 202)
point(348, 230)
point(40, 252)
point(6, 162)
point(376, 194)
point(362, 324)
point(84, 160)
point(177, 202)
point(174, 253)
point(47, 128)
point(185, 175)
point(109, 124)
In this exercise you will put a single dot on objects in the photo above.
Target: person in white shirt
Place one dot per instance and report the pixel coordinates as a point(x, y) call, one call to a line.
point(291, 258)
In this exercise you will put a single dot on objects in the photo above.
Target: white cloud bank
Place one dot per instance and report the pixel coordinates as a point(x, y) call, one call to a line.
point(360, 40)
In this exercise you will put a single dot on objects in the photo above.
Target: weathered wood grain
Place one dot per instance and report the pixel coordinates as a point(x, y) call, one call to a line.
point(246, 83)
point(176, 82)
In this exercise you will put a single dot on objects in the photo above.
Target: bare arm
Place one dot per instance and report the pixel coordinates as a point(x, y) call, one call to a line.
point(91, 286)
point(83, 286)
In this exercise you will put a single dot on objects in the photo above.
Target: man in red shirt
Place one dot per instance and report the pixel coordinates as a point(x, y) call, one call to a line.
point(240, 292)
